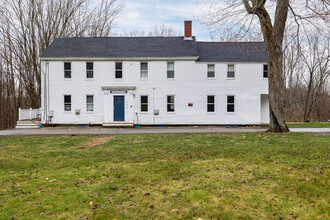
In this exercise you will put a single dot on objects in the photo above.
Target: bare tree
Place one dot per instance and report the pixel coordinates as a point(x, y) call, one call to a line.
point(29, 26)
point(243, 16)
point(134, 33)
point(156, 31)
point(163, 31)
point(317, 61)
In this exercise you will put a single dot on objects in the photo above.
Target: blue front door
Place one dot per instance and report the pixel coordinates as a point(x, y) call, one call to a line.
point(119, 108)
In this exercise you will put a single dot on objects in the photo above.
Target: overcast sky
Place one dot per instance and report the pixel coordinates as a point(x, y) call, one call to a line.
point(144, 14)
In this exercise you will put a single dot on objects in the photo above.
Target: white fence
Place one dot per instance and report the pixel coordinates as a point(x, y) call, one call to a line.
point(24, 114)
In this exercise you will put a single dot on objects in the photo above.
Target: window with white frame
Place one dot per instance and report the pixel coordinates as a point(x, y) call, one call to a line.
point(144, 103)
point(170, 103)
point(170, 70)
point(89, 70)
point(210, 103)
point(90, 103)
point(231, 71)
point(265, 75)
point(210, 71)
point(144, 70)
point(119, 70)
point(230, 103)
point(67, 103)
point(67, 70)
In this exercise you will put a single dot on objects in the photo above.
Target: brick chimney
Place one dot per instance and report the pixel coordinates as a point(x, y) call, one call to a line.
point(188, 30)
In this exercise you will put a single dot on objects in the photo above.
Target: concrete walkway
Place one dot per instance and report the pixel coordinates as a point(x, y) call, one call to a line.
point(146, 130)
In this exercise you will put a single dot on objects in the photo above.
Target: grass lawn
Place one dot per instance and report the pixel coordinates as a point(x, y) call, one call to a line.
point(166, 176)
point(309, 125)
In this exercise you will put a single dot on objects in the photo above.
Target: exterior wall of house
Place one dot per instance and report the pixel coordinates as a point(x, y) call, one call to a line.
point(264, 109)
point(190, 85)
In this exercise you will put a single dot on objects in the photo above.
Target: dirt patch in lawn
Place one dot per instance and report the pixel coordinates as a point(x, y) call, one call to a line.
point(96, 141)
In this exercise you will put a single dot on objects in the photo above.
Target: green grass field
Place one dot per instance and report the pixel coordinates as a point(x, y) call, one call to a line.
point(166, 176)
point(309, 125)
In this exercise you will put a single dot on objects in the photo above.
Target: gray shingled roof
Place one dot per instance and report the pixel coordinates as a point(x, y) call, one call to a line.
point(122, 47)
point(232, 52)
point(129, 47)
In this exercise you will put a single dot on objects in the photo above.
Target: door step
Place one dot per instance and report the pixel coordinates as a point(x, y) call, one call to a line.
point(27, 124)
point(118, 125)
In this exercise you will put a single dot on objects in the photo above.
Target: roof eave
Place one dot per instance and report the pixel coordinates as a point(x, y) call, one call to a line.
point(183, 58)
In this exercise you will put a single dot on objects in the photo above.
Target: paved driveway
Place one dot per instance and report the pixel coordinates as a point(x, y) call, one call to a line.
point(146, 130)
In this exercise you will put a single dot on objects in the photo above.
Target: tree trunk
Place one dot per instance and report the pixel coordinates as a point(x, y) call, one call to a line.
point(273, 36)
point(276, 92)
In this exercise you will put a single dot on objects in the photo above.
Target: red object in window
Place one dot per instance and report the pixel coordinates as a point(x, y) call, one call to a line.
point(190, 104)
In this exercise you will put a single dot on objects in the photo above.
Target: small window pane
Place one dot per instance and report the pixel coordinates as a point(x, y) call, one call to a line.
point(144, 99)
point(210, 107)
point(90, 74)
point(231, 74)
point(230, 67)
point(90, 99)
point(67, 98)
point(90, 107)
point(170, 99)
point(210, 67)
point(144, 74)
point(210, 74)
point(119, 66)
point(89, 66)
point(119, 74)
point(67, 66)
point(170, 74)
point(144, 66)
point(210, 99)
point(67, 107)
point(67, 74)
point(170, 107)
point(119, 99)
point(170, 66)
point(230, 108)
point(144, 107)
point(230, 99)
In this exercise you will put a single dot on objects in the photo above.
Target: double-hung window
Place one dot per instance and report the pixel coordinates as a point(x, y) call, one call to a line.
point(67, 103)
point(144, 103)
point(231, 71)
point(230, 103)
point(90, 70)
point(90, 103)
point(210, 71)
point(170, 103)
point(119, 70)
point(67, 70)
point(144, 70)
point(170, 70)
point(210, 103)
point(265, 71)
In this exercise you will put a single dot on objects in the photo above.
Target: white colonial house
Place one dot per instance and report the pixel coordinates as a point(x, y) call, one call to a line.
point(154, 81)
